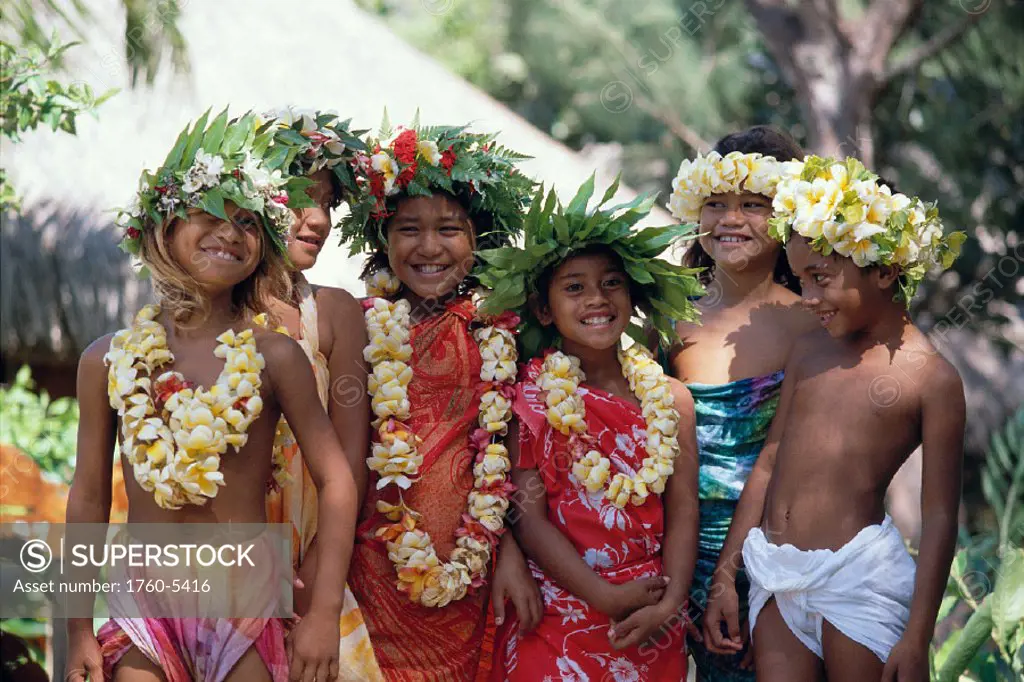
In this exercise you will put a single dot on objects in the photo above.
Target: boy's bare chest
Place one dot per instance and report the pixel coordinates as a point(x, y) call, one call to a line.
point(868, 390)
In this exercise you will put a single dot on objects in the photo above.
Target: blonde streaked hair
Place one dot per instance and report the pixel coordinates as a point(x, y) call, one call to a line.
point(184, 298)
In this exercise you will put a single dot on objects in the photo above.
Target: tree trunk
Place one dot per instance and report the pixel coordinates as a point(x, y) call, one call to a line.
point(836, 65)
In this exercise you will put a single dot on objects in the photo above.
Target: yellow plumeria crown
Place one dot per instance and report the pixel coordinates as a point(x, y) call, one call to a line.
point(699, 178)
point(841, 206)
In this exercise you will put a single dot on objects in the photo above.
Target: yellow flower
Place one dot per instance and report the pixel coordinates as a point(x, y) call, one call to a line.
point(428, 151)
point(444, 584)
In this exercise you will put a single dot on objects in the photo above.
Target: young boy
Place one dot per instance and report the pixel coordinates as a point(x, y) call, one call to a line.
point(833, 588)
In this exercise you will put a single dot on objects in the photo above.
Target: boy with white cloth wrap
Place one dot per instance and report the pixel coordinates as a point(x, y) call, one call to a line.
point(834, 592)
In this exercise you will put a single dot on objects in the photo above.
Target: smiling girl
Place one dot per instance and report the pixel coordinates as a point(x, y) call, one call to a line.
point(732, 361)
point(440, 379)
point(604, 450)
point(328, 324)
point(210, 226)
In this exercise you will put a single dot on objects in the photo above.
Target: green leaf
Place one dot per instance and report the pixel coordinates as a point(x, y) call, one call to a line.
point(583, 194)
point(214, 137)
point(235, 138)
point(1008, 596)
point(195, 138)
point(213, 203)
point(612, 189)
point(972, 638)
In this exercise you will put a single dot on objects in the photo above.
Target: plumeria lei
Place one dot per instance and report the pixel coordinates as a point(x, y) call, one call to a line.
point(559, 380)
point(227, 160)
point(699, 178)
point(396, 459)
point(173, 432)
point(841, 206)
point(322, 139)
point(418, 161)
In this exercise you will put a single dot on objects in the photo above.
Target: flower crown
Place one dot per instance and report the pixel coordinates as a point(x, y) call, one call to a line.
point(227, 160)
point(417, 161)
point(554, 234)
point(716, 174)
point(840, 206)
point(323, 141)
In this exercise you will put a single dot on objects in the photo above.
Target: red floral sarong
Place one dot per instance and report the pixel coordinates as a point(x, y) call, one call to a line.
point(571, 642)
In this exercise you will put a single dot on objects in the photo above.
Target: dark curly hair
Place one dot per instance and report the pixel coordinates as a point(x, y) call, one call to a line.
point(759, 139)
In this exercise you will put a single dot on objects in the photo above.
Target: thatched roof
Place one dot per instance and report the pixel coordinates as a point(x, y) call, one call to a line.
point(65, 282)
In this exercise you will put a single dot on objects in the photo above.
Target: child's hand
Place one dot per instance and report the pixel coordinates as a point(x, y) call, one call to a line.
point(313, 647)
point(622, 600)
point(85, 660)
point(513, 580)
point(906, 663)
point(723, 607)
point(643, 624)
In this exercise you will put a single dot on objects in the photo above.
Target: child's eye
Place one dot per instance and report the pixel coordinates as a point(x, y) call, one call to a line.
point(819, 278)
point(612, 282)
point(714, 203)
point(574, 287)
point(452, 229)
point(408, 229)
point(754, 205)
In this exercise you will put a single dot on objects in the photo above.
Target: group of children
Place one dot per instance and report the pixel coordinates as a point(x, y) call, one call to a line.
point(714, 488)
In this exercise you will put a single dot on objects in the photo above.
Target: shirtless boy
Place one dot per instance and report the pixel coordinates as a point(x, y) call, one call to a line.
point(834, 592)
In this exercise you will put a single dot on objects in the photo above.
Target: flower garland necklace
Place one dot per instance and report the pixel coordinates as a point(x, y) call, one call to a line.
point(560, 378)
point(395, 457)
point(173, 432)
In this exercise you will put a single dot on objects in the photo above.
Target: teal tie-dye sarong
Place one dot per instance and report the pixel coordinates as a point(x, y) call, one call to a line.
point(732, 424)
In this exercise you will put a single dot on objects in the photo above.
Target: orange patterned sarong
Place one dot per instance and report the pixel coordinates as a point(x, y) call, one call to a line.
point(413, 642)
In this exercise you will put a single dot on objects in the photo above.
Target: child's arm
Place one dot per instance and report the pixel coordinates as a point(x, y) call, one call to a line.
point(943, 414)
point(723, 602)
point(348, 403)
point(555, 554)
point(682, 524)
point(513, 581)
point(314, 642)
point(348, 406)
point(90, 493)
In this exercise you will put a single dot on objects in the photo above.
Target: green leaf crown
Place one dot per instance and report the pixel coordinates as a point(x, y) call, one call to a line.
point(553, 233)
point(212, 162)
point(322, 141)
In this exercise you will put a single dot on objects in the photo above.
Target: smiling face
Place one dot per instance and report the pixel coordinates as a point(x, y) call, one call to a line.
point(735, 230)
point(430, 245)
point(588, 302)
point(216, 253)
point(847, 299)
point(312, 224)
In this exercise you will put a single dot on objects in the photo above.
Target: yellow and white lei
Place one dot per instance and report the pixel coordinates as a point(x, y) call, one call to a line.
point(396, 459)
point(175, 441)
point(699, 178)
point(560, 378)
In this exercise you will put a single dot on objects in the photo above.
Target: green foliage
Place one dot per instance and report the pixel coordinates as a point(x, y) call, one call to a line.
point(1002, 479)
point(987, 576)
point(151, 31)
point(28, 98)
point(657, 79)
point(44, 429)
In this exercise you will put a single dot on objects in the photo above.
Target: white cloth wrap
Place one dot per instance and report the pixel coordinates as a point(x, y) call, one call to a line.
point(863, 589)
